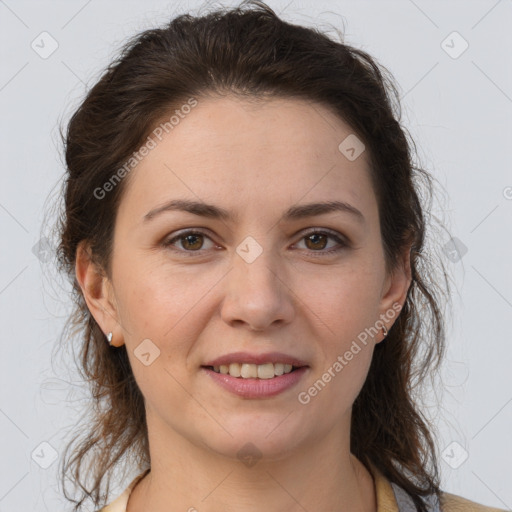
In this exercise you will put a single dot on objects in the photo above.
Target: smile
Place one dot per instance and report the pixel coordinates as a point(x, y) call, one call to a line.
point(254, 371)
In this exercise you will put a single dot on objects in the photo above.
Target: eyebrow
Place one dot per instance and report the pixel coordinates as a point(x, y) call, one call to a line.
point(295, 212)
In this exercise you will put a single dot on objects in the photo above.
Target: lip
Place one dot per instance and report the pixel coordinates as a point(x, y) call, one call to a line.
point(246, 357)
point(257, 388)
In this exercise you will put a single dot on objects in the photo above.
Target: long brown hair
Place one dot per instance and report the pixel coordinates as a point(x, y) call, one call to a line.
point(250, 52)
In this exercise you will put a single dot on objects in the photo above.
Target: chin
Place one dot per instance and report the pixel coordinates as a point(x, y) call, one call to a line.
point(255, 437)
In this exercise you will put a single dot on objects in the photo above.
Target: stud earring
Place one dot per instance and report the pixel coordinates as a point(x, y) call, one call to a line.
point(384, 331)
point(109, 338)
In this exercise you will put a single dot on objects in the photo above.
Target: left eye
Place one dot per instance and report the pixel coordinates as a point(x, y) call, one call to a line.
point(193, 241)
point(319, 238)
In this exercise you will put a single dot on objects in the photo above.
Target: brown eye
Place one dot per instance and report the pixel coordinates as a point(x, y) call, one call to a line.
point(192, 242)
point(316, 240)
point(187, 242)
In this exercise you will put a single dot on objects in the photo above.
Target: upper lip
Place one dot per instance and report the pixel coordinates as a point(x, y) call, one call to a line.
point(246, 357)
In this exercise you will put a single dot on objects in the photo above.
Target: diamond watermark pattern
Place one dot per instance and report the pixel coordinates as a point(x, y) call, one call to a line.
point(249, 454)
point(249, 249)
point(351, 147)
point(454, 249)
point(44, 455)
point(44, 45)
point(455, 455)
point(146, 352)
point(454, 45)
point(42, 250)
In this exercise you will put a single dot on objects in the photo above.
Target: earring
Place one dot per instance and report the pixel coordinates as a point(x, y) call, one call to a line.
point(384, 331)
point(109, 338)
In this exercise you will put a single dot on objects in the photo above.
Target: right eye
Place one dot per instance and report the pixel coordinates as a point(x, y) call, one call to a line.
point(191, 241)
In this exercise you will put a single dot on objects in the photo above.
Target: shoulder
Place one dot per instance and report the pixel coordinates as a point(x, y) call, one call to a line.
point(453, 503)
point(120, 503)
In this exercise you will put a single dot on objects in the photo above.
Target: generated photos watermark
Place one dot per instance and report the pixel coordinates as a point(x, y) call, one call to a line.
point(151, 143)
point(304, 397)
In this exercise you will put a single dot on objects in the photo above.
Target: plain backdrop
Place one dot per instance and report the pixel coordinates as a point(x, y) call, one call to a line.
point(452, 63)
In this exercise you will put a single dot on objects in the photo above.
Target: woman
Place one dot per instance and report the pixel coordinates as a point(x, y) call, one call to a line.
point(242, 217)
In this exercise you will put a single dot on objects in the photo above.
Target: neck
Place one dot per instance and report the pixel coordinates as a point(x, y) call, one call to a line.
point(183, 476)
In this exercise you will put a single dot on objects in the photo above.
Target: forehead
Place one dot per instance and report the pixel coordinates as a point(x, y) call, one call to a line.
point(251, 154)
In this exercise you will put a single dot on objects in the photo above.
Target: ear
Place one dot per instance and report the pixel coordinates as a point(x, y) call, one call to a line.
point(98, 293)
point(394, 290)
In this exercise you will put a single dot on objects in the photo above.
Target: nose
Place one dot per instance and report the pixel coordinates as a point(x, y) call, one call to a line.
point(258, 295)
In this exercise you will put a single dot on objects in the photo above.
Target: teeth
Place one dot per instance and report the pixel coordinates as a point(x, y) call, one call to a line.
point(279, 368)
point(253, 371)
point(265, 371)
point(234, 369)
point(249, 371)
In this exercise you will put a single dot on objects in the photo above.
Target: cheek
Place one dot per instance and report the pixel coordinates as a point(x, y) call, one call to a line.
point(334, 387)
point(169, 306)
point(154, 297)
point(345, 299)
point(347, 304)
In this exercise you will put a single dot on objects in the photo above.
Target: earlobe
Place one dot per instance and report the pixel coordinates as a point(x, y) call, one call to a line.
point(96, 289)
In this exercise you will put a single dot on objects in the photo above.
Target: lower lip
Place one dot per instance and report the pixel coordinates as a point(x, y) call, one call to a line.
point(257, 388)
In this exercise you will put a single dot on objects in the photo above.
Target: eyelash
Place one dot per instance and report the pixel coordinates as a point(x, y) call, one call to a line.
point(314, 231)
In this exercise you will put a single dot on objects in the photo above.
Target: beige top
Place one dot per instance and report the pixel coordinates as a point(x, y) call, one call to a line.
point(386, 500)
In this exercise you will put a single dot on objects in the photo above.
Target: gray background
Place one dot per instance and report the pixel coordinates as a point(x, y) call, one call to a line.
point(457, 107)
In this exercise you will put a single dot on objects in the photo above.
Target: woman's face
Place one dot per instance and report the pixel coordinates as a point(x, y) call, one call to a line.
point(263, 278)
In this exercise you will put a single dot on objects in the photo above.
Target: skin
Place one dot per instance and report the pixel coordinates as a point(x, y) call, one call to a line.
point(255, 160)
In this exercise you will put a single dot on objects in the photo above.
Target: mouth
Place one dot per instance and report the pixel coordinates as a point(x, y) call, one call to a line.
point(254, 371)
point(251, 381)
